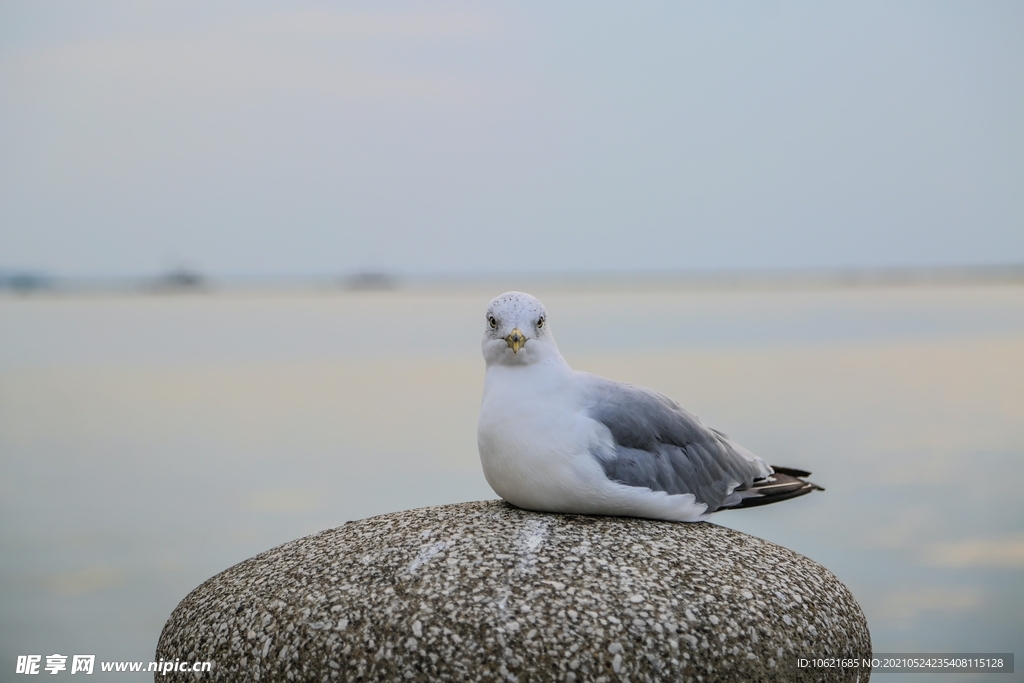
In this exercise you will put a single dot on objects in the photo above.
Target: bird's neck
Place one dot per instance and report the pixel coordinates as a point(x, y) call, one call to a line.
point(547, 360)
point(516, 382)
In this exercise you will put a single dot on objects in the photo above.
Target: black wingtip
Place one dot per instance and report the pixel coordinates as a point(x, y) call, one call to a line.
point(784, 484)
point(791, 471)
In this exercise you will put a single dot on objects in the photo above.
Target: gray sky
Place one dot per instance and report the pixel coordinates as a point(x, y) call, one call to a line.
point(248, 138)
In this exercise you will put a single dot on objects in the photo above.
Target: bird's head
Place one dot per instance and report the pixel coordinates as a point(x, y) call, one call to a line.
point(516, 331)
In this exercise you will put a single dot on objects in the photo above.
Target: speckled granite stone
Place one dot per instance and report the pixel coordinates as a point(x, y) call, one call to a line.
point(486, 592)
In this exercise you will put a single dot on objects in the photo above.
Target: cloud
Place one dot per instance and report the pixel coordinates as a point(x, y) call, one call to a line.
point(416, 25)
point(342, 56)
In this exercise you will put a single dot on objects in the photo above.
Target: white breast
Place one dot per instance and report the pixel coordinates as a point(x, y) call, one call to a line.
point(535, 439)
point(536, 443)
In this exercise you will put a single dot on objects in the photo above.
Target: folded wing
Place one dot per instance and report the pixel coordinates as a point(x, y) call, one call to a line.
point(659, 445)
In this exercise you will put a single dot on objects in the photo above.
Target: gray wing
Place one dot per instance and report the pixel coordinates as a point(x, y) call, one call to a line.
point(661, 446)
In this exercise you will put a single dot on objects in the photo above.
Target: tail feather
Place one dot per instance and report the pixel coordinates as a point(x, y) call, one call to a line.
point(784, 484)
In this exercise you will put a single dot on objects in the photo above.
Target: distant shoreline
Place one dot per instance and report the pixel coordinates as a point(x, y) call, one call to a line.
point(21, 285)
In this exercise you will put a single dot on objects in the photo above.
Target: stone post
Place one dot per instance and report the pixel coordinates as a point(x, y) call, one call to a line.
point(487, 592)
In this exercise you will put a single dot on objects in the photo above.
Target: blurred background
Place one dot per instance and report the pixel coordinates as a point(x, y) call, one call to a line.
point(245, 250)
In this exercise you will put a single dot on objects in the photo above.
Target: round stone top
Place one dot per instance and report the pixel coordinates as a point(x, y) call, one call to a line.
point(487, 592)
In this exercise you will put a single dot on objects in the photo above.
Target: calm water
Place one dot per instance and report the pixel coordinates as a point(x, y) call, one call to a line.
point(149, 442)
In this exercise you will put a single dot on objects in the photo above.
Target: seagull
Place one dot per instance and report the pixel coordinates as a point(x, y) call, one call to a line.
point(553, 439)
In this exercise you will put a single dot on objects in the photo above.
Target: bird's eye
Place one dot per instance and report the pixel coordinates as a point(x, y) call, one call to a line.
point(493, 323)
point(540, 323)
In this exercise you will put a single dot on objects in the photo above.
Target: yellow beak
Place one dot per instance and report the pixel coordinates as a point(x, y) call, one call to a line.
point(516, 340)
